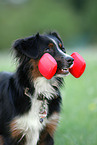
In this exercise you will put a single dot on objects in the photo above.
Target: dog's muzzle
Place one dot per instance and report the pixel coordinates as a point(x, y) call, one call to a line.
point(64, 63)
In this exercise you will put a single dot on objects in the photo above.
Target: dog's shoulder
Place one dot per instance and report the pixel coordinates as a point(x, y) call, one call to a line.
point(4, 76)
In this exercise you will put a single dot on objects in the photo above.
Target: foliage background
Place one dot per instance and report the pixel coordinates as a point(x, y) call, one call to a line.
point(75, 20)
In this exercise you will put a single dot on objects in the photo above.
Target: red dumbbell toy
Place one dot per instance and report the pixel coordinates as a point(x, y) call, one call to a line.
point(48, 65)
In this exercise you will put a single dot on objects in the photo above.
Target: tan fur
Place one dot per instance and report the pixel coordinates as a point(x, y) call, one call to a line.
point(51, 126)
point(34, 72)
point(1, 140)
point(15, 132)
point(60, 45)
point(50, 45)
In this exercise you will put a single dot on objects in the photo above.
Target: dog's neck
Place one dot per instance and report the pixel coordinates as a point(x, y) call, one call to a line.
point(46, 87)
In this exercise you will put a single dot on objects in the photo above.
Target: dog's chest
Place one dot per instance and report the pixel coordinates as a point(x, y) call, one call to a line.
point(33, 122)
point(30, 123)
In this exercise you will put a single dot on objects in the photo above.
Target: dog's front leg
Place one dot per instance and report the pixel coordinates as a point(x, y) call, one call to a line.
point(45, 139)
point(46, 136)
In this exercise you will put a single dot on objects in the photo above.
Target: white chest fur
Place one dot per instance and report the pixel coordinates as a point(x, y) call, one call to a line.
point(44, 86)
point(30, 123)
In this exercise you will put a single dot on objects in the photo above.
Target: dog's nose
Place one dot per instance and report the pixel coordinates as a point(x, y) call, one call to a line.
point(69, 60)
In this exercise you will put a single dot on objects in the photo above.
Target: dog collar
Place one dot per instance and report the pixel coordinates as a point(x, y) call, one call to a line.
point(43, 110)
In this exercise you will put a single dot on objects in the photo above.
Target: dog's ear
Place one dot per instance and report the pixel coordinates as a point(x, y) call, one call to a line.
point(55, 34)
point(27, 46)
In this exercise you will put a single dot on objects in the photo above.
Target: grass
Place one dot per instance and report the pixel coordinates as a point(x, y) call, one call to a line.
point(79, 111)
point(78, 121)
point(6, 62)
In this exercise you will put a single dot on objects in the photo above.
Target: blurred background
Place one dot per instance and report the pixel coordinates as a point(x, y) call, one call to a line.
point(76, 22)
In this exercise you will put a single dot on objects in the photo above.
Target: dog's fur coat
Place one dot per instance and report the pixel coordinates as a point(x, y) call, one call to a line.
point(23, 93)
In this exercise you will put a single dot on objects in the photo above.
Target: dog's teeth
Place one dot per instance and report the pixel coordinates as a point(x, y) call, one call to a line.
point(65, 69)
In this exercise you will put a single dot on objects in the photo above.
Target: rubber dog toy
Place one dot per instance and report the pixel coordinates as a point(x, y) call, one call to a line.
point(79, 65)
point(48, 65)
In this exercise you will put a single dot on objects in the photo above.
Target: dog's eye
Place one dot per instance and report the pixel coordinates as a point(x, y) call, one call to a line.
point(47, 49)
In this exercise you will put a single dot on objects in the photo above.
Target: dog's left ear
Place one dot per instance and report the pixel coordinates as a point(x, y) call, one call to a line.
point(27, 46)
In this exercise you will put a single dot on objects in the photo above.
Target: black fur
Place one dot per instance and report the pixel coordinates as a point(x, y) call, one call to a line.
point(13, 101)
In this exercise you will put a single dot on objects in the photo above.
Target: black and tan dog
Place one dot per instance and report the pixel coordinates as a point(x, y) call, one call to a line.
point(29, 103)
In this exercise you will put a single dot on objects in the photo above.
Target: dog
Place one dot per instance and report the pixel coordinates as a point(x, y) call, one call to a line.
point(30, 104)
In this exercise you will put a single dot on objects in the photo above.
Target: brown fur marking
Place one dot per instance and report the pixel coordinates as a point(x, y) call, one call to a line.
point(1, 140)
point(14, 131)
point(51, 126)
point(17, 134)
point(51, 45)
point(60, 45)
point(34, 73)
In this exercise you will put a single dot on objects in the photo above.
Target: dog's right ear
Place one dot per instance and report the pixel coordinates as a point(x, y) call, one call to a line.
point(27, 46)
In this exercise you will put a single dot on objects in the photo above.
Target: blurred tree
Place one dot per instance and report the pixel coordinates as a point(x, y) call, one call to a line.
point(79, 4)
point(73, 19)
point(14, 1)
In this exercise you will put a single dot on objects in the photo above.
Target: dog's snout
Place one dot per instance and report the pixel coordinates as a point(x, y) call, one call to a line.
point(69, 60)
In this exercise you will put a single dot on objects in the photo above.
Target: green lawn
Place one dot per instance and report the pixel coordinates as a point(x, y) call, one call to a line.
point(7, 63)
point(78, 121)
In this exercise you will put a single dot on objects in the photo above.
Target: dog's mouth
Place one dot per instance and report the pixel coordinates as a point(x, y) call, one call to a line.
point(63, 71)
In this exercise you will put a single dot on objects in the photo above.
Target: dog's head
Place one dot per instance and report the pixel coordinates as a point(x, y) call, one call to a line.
point(32, 48)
